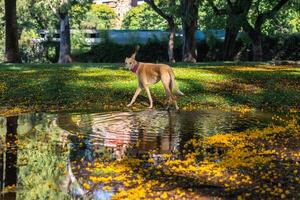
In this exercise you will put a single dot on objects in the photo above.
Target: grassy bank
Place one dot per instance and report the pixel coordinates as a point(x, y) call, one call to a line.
point(97, 87)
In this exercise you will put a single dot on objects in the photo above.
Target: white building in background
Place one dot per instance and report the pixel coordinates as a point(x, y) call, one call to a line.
point(121, 7)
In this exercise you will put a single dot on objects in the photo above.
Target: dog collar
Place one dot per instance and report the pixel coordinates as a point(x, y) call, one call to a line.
point(135, 68)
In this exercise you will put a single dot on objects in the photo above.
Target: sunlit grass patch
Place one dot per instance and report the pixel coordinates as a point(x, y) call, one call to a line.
point(44, 87)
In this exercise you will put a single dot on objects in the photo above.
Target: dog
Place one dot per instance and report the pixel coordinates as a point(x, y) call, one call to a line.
point(149, 74)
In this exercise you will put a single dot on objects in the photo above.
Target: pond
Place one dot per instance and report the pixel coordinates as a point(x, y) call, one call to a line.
point(45, 156)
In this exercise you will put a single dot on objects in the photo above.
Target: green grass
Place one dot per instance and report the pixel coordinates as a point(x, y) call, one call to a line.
point(98, 87)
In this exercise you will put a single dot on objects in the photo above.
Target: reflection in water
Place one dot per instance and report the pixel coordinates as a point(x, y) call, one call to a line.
point(9, 158)
point(49, 144)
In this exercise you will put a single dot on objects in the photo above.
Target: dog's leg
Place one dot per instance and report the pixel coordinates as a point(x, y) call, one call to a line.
point(168, 86)
point(149, 96)
point(169, 95)
point(137, 92)
point(176, 106)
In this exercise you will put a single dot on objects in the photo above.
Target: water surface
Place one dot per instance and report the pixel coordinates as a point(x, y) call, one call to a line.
point(38, 150)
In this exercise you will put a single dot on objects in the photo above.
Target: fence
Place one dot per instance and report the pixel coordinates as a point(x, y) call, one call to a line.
point(93, 37)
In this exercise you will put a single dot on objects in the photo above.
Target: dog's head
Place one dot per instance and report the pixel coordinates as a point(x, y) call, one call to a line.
point(131, 62)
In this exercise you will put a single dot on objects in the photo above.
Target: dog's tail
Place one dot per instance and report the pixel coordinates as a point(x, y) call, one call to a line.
point(173, 84)
point(137, 48)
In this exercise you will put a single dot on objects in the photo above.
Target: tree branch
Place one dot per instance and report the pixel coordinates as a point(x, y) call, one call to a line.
point(158, 10)
point(216, 10)
point(248, 28)
point(269, 14)
point(33, 14)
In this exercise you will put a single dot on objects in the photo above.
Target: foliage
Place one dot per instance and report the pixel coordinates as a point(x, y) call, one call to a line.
point(208, 19)
point(78, 14)
point(44, 165)
point(111, 52)
point(78, 41)
point(169, 8)
point(92, 16)
point(30, 50)
point(35, 14)
point(209, 50)
point(143, 17)
point(286, 21)
point(100, 17)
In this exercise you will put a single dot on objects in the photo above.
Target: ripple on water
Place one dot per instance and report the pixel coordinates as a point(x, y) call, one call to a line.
point(155, 130)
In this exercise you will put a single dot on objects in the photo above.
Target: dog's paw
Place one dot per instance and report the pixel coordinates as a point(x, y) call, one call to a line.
point(150, 107)
point(129, 105)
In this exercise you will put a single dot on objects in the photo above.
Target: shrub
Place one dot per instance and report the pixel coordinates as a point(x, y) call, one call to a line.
point(279, 47)
point(152, 51)
point(290, 49)
point(31, 51)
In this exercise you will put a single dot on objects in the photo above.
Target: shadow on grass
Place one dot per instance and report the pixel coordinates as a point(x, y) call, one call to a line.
point(259, 87)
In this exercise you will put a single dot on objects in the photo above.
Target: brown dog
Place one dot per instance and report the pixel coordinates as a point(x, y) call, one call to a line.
point(149, 74)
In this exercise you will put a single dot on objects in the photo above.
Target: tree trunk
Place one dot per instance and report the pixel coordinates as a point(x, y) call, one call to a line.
point(232, 28)
point(171, 42)
point(257, 47)
point(189, 27)
point(255, 37)
point(229, 43)
point(12, 54)
point(65, 39)
point(171, 24)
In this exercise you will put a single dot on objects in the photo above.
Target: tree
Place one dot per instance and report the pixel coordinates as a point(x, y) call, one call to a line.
point(235, 11)
point(170, 18)
point(61, 9)
point(249, 15)
point(11, 33)
point(254, 31)
point(189, 26)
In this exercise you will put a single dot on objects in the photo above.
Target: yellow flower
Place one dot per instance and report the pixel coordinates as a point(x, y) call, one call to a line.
point(86, 186)
point(164, 195)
